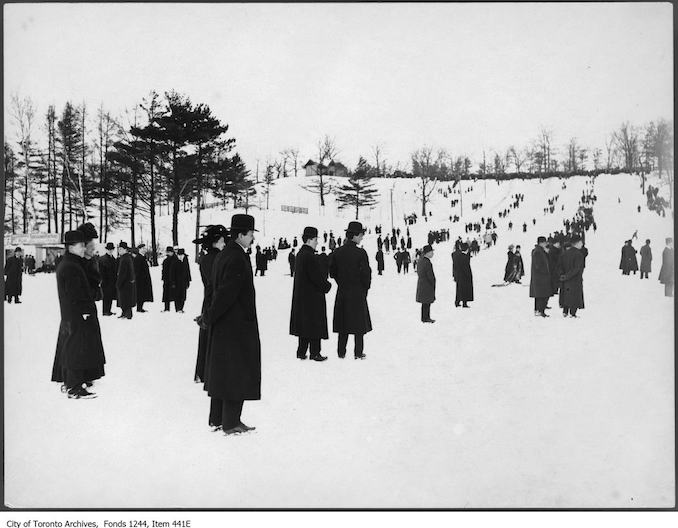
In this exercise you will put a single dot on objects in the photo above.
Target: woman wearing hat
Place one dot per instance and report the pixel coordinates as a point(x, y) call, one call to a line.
point(79, 357)
point(212, 241)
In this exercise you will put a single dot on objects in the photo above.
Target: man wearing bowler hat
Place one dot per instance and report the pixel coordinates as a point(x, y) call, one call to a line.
point(233, 359)
point(126, 282)
point(308, 318)
point(108, 267)
point(350, 268)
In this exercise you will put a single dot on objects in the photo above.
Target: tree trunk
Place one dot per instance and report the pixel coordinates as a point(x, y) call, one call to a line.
point(70, 211)
point(134, 207)
point(198, 201)
point(63, 203)
point(176, 200)
point(154, 253)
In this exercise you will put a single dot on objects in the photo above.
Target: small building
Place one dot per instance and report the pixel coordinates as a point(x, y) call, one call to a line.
point(334, 168)
point(45, 247)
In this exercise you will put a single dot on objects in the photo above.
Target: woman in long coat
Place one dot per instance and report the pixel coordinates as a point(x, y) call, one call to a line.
point(308, 316)
point(213, 241)
point(461, 271)
point(143, 282)
point(510, 268)
point(80, 352)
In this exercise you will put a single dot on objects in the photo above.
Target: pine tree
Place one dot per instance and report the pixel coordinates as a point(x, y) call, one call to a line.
point(359, 191)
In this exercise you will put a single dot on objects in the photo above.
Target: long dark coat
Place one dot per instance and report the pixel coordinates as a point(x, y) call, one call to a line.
point(426, 281)
point(108, 268)
point(79, 345)
point(520, 267)
point(168, 274)
point(14, 274)
point(666, 271)
point(380, 260)
point(308, 317)
point(233, 360)
point(645, 259)
point(206, 268)
point(143, 279)
point(540, 274)
point(554, 258)
point(350, 268)
point(572, 288)
point(510, 269)
point(461, 271)
point(628, 262)
point(181, 278)
point(126, 283)
point(93, 274)
point(261, 261)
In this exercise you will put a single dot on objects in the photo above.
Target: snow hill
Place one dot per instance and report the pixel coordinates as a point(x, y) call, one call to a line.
point(488, 407)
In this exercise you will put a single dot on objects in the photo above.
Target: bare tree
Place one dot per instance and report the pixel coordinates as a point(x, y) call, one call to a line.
point(294, 158)
point(426, 166)
point(517, 157)
point(379, 161)
point(327, 150)
point(597, 155)
point(611, 150)
point(23, 113)
point(626, 140)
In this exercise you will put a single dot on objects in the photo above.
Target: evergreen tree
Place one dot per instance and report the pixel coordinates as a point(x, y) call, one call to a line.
point(359, 191)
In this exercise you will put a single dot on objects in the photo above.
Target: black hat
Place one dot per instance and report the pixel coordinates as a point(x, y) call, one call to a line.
point(541, 239)
point(242, 222)
point(73, 237)
point(123, 245)
point(427, 248)
point(463, 246)
point(110, 245)
point(310, 232)
point(355, 227)
point(89, 231)
point(180, 251)
point(17, 250)
point(211, 234)
point(170, 249)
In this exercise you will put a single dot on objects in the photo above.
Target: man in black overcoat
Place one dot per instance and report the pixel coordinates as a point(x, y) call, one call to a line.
point(182, 280)
point(108, 268)
point(125, 282)
point(233, 362)
point(291, 259)
point(213, 240)
point(80, 352)
point(461, 271)
point(628, 262)
point(554, 252)
point(380, 261)
point(540, 278)
point(426, 284)
point(168, 274)
point(308, 317)
point(572, 287)
point(143, 278)
point(91, 260)
point(350, 268)
point(14, 268)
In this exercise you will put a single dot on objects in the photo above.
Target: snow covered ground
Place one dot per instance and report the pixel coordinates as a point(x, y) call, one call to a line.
point(488, 407)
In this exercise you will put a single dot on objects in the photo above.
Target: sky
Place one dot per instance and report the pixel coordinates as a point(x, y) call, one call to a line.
point(464, 77)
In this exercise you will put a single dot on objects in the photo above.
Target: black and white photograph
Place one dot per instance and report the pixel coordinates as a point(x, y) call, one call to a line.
point(338, 256)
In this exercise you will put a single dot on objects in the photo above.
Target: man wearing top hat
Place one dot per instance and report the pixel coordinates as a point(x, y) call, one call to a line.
point(108, 268)
point(79, 358)
point(126, 282)
point(142, 274)
point(168, 274)
point(233, 361)
point(308, 318)
point(212, 241)
point(540, 278)
point(350, 268)
point(14, 268)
